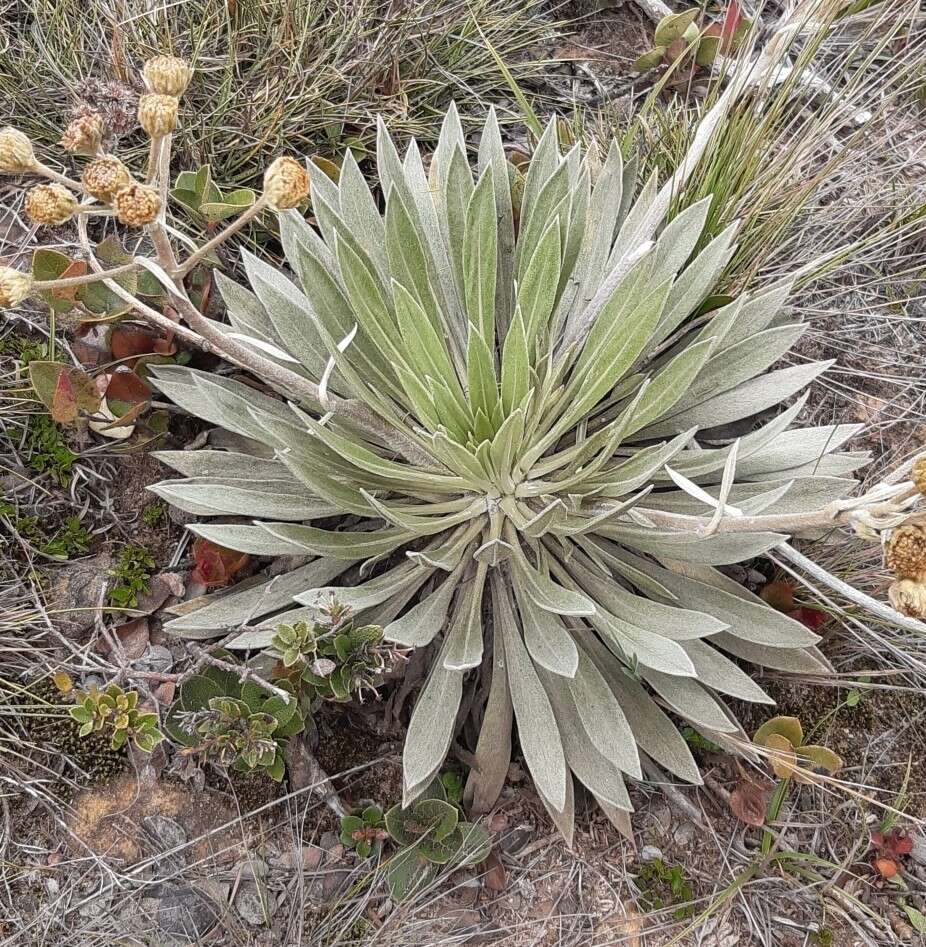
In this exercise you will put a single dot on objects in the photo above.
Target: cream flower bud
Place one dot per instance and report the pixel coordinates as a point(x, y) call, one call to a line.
point(84, 134)
point(908, 598)
point(157, 113)
point(167, 75)
point(50, 204)
point(286, 183)
point(14, 287)
point(16, 154)
point(104, 176)
point(137, 205)
point(918, 473)
point(905, 552)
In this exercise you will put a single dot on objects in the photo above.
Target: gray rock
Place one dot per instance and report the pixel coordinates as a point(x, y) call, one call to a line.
point(77, 590)
point(252, 903)
point(166, 833)
point(186, 914)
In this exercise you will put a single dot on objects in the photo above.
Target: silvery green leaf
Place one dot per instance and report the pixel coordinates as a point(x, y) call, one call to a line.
point(548, 642)
point(679, 624)
point(360, 213)
point(695, 282)
point(739, 363)
point(254, 540)
point(421, 623)
point(632, 644)
point(245, 311)
point(540, 740)
point(275, 499)
point(718, 550)
point(743, 401)
point(480, 244)
point(689, 699)
point(480, 372)
point(543, 591)
point(653, 731)
point(758, 311)
point(339, 545)
point(714, 670)
point(792, 660)
point(370, 593)
point(794, 448)
point(595, 702)
point(670, 384)
point(220, 463)
point(225, 610)
point(537, 286)
point(430, 729)
point(747, 616)
point(679, 238)
point(594, 770)
point(492, 154)
point(292, 315)
point(463, 643)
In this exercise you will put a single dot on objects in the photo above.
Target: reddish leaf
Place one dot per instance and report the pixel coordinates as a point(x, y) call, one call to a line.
point(127, 387)
point(749, 802)
point(780, 595)
point(812, 618)
point(65, 391)
point(215, 565)
point(495, 878)
point(895, 843)
point(128, 342)
point(64, 399)
point(885, 867)
point(75, 268)
point(731, 21)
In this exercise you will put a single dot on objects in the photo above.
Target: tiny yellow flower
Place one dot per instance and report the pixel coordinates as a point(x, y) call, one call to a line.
point(905, 552)
point(104, 176)
point(286, 183)
point(84, 134)
point(14, 287)
point(16, 154)
point(167, 75)
point(157, 113)
point(137, 205)
point(908, 598)
point(50, 204)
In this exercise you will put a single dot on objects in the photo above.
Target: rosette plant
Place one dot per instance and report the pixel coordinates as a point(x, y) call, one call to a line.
point(501, 416)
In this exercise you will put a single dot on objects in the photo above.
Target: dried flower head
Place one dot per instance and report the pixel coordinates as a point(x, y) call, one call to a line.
point(918, 473)
point(14, 287)
point(286, 183)
point(136, 205)
point(116, 103)
point(50, 204)
point(908, 598)
point(167, 75)
point(84, 134)
point(157, 113)
point(104, 176)
point(905, 552)
point(16, 152)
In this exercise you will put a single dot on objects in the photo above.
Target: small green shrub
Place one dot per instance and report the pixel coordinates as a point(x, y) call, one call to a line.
point(429, 834)
point(132, 574)
point(333, 659)
point(240, 725)
point(364, 833)
point(47, 451)
point(664, 885)
point(115, 712)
